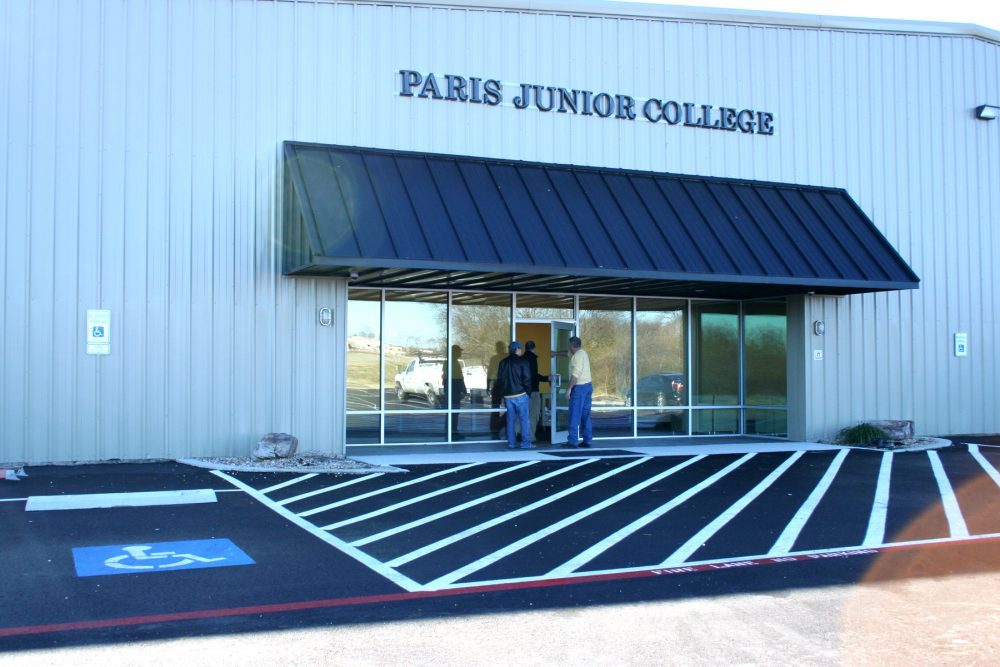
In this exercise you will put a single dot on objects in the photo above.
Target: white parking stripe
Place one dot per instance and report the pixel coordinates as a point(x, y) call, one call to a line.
point(987, 466)
point(397, 578)
point(426, 496)
point(527, 540)
point(593, 552)
point(786, 540)
point(956, 522)
point(386, 489)
point(301, 478)
point(464, 506)
point(699, 539)
point(88, 501)
point(325, 489)
point(875, 534)
point(440, 544)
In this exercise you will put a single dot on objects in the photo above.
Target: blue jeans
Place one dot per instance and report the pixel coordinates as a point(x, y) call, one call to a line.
point(517, 410)
point(579, 414)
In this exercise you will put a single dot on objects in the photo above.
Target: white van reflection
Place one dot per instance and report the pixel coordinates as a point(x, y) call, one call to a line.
point(424, 377)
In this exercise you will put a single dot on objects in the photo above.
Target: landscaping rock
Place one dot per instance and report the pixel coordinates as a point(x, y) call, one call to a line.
point(896, 429)
point(276, 446)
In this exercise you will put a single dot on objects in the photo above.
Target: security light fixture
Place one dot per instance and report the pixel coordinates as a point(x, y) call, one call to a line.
point(987, 112)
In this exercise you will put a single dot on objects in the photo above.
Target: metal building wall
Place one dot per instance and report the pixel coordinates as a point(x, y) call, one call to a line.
point(141, 173)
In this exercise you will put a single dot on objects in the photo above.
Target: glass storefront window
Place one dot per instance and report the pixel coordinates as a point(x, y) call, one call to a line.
point(662, 422)
point(612, 423)
point(363, 429)
point(480, 334)
point(767, 422)
point(403, 362)
point(364, 329)
point(413, 345)
point(765, 354)
point(715, 378)
point(606, 332)
point(661, 353)
point(416, 428)
point(544, 306)
point(715, 422)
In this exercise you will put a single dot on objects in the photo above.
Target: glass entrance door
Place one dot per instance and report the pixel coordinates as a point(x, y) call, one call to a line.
point(561, 333)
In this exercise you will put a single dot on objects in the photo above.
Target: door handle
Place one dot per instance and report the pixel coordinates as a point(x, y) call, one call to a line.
point(556, 380)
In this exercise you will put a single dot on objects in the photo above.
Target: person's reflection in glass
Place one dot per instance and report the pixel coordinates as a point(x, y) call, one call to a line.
point(458, 389)
point(496, 418)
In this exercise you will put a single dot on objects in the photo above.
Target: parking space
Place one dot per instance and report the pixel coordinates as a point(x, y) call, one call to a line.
point(255, 543)
point(445, 526)
point(58, 564)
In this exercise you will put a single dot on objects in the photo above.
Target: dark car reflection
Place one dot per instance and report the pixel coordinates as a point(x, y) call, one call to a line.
point(661, 390)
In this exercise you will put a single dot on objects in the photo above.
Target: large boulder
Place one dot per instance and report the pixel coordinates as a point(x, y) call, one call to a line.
point(276, 446)
point(895, 429)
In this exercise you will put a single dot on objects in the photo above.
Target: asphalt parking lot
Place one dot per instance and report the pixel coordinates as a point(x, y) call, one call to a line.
point(604, 525)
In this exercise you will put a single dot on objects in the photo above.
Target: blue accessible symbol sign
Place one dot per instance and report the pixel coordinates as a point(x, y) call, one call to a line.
point(157, 557)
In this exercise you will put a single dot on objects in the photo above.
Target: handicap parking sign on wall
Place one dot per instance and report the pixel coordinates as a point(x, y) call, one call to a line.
point(143, 557)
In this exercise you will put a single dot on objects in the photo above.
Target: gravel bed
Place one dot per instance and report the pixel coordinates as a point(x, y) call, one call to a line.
point(300, 462)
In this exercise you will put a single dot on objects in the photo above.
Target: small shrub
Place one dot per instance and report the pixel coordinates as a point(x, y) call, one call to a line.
point(862, 434)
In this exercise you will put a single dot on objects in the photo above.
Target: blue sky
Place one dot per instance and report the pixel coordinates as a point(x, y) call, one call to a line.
point(984, 12)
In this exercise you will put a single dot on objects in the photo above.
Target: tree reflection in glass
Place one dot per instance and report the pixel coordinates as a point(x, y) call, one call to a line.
point(661, 354)
point(715, 376)
point(606, 330)
point(480, 334)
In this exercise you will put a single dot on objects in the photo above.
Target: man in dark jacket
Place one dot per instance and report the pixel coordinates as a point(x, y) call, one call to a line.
point(514, 384)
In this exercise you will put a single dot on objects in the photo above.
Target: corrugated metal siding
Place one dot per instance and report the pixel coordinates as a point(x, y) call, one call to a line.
point(141, 173)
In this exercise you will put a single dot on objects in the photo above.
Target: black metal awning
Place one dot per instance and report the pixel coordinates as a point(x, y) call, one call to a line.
point(399, 219)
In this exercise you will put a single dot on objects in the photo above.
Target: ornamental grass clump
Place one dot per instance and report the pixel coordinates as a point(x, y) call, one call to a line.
point(862, 434)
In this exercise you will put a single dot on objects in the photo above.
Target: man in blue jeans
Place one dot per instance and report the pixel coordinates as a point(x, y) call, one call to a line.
point(514, 384)
point(579, 393)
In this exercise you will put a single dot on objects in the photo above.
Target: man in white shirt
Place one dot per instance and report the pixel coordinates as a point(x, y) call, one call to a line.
point(579, 393)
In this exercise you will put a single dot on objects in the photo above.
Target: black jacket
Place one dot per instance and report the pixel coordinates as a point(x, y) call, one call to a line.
point(533, 368)
point(513, 376)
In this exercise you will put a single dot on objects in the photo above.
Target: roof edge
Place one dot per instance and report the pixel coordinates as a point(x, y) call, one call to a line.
point(613, 8)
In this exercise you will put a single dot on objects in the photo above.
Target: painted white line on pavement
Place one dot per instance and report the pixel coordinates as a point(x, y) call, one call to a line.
point(875, 534)
point(385, 489)
point(956, 522)
point(440, 544)
point(699, 539)
point(730, 563)
point(593, 552)
point(786, 540)
point(426, 496)
point(527, 540)
point(325, 489)
point(88, 501)
point(397, 578)
point(987, 466)
point(472, 503)
point(295, 480)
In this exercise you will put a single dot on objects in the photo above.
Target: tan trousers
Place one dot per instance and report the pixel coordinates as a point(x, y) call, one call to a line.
point(534, 413)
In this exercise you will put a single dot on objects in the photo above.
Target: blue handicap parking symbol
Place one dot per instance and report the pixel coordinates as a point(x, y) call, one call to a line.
point(157, 557)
